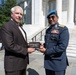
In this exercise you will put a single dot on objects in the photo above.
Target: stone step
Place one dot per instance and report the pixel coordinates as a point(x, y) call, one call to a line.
point(72, 55)
point(71, 49)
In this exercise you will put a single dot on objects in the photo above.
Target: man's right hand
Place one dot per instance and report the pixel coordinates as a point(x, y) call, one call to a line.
point(30, 50)
point(42, 48)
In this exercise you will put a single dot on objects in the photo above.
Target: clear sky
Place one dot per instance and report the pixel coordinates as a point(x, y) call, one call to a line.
point(0, 1)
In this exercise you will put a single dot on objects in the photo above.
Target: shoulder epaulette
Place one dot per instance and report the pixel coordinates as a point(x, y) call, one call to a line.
point(61, 25)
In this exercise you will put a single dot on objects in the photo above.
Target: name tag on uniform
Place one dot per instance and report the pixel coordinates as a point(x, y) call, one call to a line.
point(55, 31)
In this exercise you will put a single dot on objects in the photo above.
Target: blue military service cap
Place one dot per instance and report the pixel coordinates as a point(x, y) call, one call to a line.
point(52, 12)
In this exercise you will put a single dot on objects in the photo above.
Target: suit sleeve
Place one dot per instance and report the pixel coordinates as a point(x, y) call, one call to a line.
point(9, 43)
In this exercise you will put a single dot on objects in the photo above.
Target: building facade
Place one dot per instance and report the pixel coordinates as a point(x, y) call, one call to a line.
point(36, 11)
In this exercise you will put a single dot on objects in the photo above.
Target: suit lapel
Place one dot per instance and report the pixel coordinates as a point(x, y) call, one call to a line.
point(25, 33)
point(17, 28)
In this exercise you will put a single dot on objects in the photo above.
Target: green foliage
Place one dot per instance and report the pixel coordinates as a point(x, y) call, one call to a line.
point(5, 10)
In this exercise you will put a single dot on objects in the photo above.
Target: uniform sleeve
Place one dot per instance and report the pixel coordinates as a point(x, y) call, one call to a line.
point(62, 43)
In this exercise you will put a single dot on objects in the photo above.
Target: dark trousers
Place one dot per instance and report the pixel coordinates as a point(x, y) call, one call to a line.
point(20, 72)
point(50, 72)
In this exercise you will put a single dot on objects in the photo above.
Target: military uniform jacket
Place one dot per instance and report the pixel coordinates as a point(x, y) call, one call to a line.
point(16, 56)
point(56, 42)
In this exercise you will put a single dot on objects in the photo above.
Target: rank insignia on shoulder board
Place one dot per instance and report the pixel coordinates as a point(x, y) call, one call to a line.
point(61, 25)
point(55, 31)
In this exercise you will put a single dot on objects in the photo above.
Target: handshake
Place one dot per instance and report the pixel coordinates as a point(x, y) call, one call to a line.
point(35, 45)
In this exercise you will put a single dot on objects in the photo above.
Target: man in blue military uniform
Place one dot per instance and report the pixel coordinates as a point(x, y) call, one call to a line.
point(54, 48)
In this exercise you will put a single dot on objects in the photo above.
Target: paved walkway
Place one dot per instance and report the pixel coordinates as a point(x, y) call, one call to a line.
point(36, 64)
point(2, 62)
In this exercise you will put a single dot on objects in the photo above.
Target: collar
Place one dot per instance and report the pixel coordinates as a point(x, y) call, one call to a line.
point(15, 22)
point(55, 26)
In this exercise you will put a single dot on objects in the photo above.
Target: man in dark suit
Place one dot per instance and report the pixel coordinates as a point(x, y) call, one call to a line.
point(54, 48)
point(14, 40)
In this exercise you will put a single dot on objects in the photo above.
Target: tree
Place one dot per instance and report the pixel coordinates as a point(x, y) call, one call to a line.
point(5, 10)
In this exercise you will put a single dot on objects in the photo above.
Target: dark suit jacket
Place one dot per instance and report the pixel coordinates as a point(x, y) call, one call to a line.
point(16, 56)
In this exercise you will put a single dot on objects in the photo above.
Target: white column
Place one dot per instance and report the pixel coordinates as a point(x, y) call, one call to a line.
point(59, 10)
point(25, 5)
point(41, 13)
point(70, 13)
point(35, 11)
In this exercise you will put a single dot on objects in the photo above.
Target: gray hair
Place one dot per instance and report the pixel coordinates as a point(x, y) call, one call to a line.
point(13, 8)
